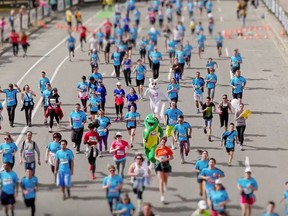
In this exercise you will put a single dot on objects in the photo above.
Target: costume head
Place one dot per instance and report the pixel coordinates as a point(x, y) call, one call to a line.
point(153, 84)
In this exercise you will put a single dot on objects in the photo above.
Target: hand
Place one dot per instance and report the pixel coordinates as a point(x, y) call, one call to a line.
point(55, 173)
point(21, 162)
point(39, 162)
point(46, 161)
point(25, 192)
point(16, 194)
point(105, 130)
point(71, 172)
point(216, 175)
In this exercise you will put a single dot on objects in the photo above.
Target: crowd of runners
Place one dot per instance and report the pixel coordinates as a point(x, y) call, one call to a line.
point(115, 43)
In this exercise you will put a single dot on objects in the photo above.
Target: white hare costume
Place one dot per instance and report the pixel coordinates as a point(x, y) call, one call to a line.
point(156, 96)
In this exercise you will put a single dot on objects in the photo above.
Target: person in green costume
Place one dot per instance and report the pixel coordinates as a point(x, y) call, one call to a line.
point(151, 135)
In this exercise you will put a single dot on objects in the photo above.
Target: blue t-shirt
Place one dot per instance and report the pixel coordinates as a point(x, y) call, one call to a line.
point(64, 159)
point(100, 36)
point(150, 48)
point(219, 38)
point(201, 39)
point(244, 183)
point(180, 55)
point(217, 197)
point(83, 86)
point(235, 60)
point(172, 46)
point(238, 82)
point(119, 31)
point(210, 172)
point(131, 98)
point(116, 58)
point(9, 180)
point(230, 141)
point(29, 185)
point(103, 92)
point(133, 33)
point(78, 118)
point(46, 94)
point(8, 150)
point(71, 42)
point(119, 92)
point(211, 64)
point(209, 6)
point(182, 131)
point(94, 101)
point(11, 96)
point(188, 49)
point(268, 214)
point(129, 207)
point(156, 57)
point(140, 72)
point(103, 123)
point(114, 181)
point(199, 28)
point(154, 35)
point(43, 81)
point(198, 83)
point(137, 15)
point(174, 93)
point(54, 147)
point(211, 84)
point(190, 6)
point(200, 165)
point(286, 202)
point(97, 76)
point(172, 116)
point(131, 119)
point(142, 45)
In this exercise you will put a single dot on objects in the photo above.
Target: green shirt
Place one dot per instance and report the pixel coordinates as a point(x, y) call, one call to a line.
point(197, 213)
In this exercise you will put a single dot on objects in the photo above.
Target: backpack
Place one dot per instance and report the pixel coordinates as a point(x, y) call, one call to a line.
point(23, 144)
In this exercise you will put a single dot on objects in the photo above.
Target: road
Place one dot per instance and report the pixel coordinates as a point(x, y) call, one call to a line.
point(265, 142)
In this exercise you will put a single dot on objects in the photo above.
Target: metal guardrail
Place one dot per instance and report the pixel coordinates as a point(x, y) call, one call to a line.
point(278, 11)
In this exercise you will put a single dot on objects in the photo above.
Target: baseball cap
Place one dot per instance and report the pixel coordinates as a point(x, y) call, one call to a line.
point(202, 205)
point(118, 133)
point(118, 83)
point(218, 181)
point(248, 169)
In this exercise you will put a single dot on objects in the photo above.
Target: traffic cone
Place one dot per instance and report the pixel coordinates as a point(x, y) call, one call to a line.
point(245, 37)
point(256, 36)
point(265, 36)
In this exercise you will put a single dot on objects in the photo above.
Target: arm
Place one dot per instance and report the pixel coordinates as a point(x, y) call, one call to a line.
point(38, 153)
point(120, 211)
point(56, 167)
point(33, 93)
point(22, 97)
point(20, 154)
point(131, 170)
point(18, 88)
point(47, 155)
point(72, 167)
point(16, 189)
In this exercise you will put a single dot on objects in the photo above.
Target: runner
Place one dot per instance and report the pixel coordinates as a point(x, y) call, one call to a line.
point(188, 52)
point(285, 198)
point(92, 43)
point(43, 81)
point(140, 176)
point(9, 150)
point(228, 139)
point(155, 57)
point(116, 57)
point(180, 55)
point(218, 199)
point(77, 121)
point(172, 90)
point(238, 84)
point(107, 46)
point(240, 124)
point(11, 101)
point(199, 166)
point(247, 185)
point(51, 150)
point(14, 38)
point(24, 42)
point(201, 38)
point(100, 36)
point(94, 103)
point(198, 84)
point(27, 151)
point(163, 155)
point(103, 130)
point(64, 168)
point(132, 99)
point(235, 62)
point(82, 35)
point(209, 175)
point(208, 116)
point(181, 134)
point(119, 148)
point(211, 80)
point(82, 88)
point(119, 95)
point(45, 97)
point(69, 17)
point(101, 89)
point(78, 18)
point(126, 65)
point(224, 107)
point(9, 189)
point(137, 17)
point(29, 186)
point(171, 49)
point(140, 71)
point(71, 45)
point(27, 103)
point(142, 49)
point(131, 117)
point(170, 120)
point(91, 139)
point(270, 210)
point(112, 184)
point(94, 59)
point(54, 110)
point(219, 41)
point(202, 209)
point(150, 48)
point(125, 207)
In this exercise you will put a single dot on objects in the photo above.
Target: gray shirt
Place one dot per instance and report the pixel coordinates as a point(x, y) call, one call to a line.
point(240, 121)
point(28, 151)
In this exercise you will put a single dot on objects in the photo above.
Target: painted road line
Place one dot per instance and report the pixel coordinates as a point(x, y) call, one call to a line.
point(221, 19)
point(227, 52)
point(219, 9)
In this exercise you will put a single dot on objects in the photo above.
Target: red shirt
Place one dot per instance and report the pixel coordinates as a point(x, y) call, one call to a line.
point(14, 36)
point(107, 27)
point(83, 31)
point(121, 152)
point(24, 40)
point(92, 138)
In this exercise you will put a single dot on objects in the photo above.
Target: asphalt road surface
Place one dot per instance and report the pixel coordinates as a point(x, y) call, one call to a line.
point(265, 141)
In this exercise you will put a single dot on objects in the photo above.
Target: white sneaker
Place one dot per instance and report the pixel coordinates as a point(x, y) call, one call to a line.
point(173, 147)
point(50, 130)
point(58, 126)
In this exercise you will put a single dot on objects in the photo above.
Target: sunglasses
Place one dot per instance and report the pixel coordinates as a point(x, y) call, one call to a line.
point(6, 138)
point(138, 158)
point(118, 136)
point(224, 98)
point(112, 170)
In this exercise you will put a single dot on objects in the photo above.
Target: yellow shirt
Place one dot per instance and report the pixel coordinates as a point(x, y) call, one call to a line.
point(69, 16)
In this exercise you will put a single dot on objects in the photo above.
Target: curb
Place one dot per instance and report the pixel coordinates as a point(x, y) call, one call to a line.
point(30, 32)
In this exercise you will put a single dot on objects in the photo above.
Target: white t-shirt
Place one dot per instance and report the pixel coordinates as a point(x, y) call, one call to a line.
point(93, 43)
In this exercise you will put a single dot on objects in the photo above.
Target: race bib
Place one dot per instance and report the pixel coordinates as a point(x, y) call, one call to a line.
point(76, 119)
point(172, 121)
point(7, 181)
point(64, 161)
point(6, 150)
point(247, 190)
point(120, 152)
point(93, 138)
point(29, 153)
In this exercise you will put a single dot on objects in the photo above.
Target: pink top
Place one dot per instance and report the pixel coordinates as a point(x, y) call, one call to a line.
point(121, 152)
point(2, 24)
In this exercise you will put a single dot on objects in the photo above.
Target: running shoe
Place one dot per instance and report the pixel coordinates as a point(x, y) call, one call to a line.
point(77, 152)
point(173, 147)
point(93, 177)
point(205, 131)
point(50, 130)
point(229, 164)
point(209, 139)
point(100, 155)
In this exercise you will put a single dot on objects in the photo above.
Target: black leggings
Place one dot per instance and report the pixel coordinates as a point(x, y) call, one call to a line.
point(139, 193)
point(119, 108)
point(76, 137)
point(117, 70)
point(155, 70)
point(84, 102)
point(53, 115)
point(127, 75)
point(92, 160)
point(28, 114)
point(240, 130)
point(150, 62)
point(11, 113)
point(224, 120)
point(30, 203)
point(15, 47)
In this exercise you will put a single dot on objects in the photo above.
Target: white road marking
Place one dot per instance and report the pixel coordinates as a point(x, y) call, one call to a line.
point(113, 73)
point(170, 74)
point(247, 162)
point(227, 52)
point(221, 19)
point(219, 9)
point(51, 81)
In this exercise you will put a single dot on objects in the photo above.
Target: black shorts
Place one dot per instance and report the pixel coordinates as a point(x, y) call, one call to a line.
point(7, 199)
point(29, 202)
point(142, 53)
point(234, 69)
point(163, 167)
point(237, 95)
point(83, 39)
point(200, 180)
point(93, 112)
point(140, 82)
point(69, 24)
point(230, 150)
point(130, 48)
point(171, 54)
point(131, 127)
point(71, 49)
point(219, 44)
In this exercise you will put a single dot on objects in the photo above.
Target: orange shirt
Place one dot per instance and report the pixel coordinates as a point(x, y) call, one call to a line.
point(163, 151)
